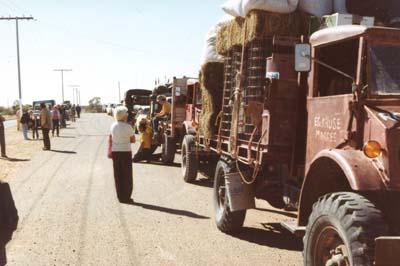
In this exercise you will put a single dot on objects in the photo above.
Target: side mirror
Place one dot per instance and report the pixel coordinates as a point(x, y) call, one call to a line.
point(303, 57)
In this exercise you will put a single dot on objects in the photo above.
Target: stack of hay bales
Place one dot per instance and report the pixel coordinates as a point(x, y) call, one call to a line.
point(211, 80)
point(259, 25)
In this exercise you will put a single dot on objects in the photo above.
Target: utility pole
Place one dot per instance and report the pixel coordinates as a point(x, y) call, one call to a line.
point(62, 80)
point(119, 92)
point(18, 59)
point(74, 93)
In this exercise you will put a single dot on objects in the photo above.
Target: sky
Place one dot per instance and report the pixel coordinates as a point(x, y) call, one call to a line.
point(104, 42)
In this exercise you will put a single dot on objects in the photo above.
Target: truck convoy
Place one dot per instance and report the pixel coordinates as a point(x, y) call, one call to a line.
point(307, 123)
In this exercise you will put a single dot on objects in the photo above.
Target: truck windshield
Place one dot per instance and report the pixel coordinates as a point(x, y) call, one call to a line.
point(385, 69)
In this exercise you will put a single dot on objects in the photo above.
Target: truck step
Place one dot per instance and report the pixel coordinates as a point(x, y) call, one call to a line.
point(293, 228)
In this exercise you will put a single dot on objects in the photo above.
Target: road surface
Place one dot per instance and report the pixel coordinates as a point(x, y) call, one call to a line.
point(69, 214)
point(10, 123)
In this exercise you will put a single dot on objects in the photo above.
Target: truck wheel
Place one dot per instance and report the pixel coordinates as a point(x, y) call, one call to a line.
point(226, 221)
point(190, 162)
point(341, 231)
point(168, 149)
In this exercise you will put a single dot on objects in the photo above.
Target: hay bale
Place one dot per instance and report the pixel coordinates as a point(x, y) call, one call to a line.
point(260, 25)
point(211, 80)
point(230, 34)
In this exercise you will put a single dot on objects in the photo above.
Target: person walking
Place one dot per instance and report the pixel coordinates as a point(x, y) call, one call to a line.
point(78, 110)
point(56, 121)
point(45, 121)
point(122, 135)
point(2, 137)
point(73, 113)
point(24, 124)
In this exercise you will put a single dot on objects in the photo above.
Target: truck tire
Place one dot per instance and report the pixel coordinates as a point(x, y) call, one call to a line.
point(168, 149)
point(226, 221)
point(190, 162)
point(341, 231)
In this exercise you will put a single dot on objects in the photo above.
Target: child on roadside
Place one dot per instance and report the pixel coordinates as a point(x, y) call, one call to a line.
point(146, 149)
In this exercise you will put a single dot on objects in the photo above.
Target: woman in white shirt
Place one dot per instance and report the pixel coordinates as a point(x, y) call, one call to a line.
point(122, 137)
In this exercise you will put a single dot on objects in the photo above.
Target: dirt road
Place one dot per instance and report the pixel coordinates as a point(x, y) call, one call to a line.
point(69, 214)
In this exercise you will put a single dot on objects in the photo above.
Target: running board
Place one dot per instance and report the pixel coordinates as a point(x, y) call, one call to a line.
point(292, 227)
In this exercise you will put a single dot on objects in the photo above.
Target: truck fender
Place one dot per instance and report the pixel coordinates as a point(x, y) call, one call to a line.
point(189, 129)
point(337, 170)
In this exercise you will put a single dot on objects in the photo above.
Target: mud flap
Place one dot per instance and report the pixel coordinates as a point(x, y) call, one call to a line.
point(387, 251)
point(240, 195)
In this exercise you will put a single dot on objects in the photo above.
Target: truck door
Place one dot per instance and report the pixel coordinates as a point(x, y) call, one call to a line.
point(330, 97)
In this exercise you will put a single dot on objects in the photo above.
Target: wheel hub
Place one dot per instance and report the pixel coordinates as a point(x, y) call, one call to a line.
point(330, 249)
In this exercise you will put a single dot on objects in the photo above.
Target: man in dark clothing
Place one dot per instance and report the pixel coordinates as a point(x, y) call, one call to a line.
point(2, 137)
point(78, 110)
point(46, 123)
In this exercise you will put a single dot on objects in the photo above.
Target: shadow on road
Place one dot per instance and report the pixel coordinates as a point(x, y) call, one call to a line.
point(273, 236)
point(14, 159)
point(65, 152)
point(204, 182)
point(66, 137)
point(288, 214)
point(170, 211)
point(8, 220)
point(155, 162)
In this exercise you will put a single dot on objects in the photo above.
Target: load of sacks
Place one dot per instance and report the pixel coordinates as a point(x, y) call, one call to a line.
point(386, 11)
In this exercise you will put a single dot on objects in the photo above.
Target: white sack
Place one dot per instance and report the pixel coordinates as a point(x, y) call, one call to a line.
point(317, 8)
point(210, 51)
point(275, 6)
point(240, 8)
point(339, 6)
point(233, 8)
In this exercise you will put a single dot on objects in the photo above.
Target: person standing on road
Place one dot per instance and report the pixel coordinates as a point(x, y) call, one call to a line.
point(45, 121)
point(18, 114)
point(78, 110)
point(24, 123)
point(62, 116)
point(122, 135)
point(2, 137)
point(56, 121)
point(35, 125)
point(73, 113)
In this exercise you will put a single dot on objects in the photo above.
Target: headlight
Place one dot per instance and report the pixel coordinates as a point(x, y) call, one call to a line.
point(372, 149)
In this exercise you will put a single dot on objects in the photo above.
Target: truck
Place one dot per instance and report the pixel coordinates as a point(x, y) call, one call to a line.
point(36, 105)
point(138, 103)
point(318, 134)
point(181, 94)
